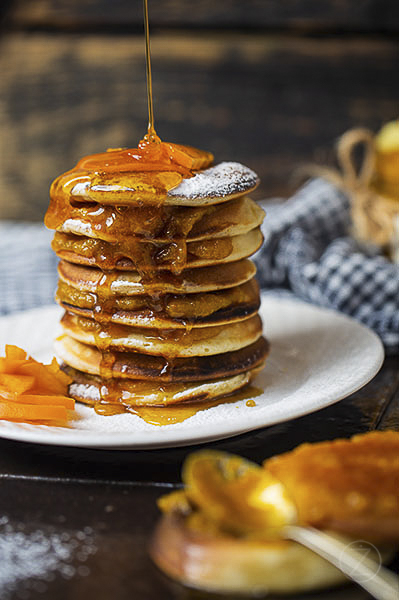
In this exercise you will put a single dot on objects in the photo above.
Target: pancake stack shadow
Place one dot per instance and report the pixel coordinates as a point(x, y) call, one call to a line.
point(161, 303)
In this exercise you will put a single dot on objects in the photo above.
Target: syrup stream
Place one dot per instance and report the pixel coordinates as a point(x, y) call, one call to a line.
point(151, 128)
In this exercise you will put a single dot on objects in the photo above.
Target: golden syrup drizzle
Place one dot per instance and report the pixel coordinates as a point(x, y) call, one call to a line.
point(161, 416)
point(151, 128)
point(144, 256)
point(250, 402)
point(103, 335)
point(170, 415)
point(248, 393)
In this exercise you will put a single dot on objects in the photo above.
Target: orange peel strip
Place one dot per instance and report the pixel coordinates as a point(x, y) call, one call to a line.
point(65, 401)
point(13, 411)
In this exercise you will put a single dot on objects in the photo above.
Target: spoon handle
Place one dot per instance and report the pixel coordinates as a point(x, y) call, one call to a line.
point(373, 577)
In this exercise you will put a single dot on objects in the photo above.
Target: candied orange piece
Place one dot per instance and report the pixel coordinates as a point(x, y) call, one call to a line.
point(31, 391)
point(65, 401)
point(14, 411)
point(15, 353)
point(10, 365)
point(54, 368)
point(174, 501)
point(5, 394)
point(45, 380)
point(189, 157)
point(16, 383)
point(235, 493)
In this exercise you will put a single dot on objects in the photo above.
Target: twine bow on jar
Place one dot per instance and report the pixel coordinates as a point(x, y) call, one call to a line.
point(374, 201)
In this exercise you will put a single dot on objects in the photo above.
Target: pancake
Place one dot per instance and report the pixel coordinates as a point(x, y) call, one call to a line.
point(118, 223)
point(143, 255)
point(203, 341)
point(224, 182)
point(168, 311)
point(129, 394)
point(206, 279)
point(217, 184)
point(145, 367)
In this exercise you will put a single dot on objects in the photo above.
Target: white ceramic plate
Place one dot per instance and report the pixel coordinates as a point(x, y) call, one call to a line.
point(317, 357)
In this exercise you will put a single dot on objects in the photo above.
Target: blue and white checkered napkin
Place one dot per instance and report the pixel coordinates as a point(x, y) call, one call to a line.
point(308, 250)
point(28, 267)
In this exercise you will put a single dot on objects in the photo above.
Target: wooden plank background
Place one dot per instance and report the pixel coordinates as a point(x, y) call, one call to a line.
point(269, 83)
point(362, 15)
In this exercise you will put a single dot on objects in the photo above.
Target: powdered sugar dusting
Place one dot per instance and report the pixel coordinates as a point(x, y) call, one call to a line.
point(225, 179)
point(86, 392)
point(31, 559)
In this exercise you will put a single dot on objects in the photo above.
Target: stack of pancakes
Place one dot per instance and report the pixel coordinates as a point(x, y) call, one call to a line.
point(161, 304)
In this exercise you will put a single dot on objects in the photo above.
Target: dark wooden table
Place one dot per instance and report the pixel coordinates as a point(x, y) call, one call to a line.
point(81, 520)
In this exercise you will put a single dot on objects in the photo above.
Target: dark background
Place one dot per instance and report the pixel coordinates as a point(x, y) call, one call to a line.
point(271, 83)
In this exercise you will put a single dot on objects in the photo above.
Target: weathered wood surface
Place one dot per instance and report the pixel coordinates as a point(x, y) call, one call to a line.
point(61, 492)
point(309, 15)
point(115, 523)
point(270, 101)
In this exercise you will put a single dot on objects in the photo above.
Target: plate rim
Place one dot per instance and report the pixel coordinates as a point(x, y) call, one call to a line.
point(123, 440)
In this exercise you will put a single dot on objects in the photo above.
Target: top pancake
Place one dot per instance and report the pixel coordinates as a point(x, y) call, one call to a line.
point(221, 183)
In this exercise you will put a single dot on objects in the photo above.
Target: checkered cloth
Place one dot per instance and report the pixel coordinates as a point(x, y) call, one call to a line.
point(28, 267)
point(308, 251)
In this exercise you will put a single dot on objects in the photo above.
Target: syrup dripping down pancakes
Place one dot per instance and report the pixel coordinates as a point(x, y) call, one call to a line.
point(161, 304)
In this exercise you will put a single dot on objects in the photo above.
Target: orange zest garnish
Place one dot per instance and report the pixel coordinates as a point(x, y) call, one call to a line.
point(149, 156)
point(189, 157)
point(13, 411)
point(49, 400)
point(17, 383)
point(15, 353)
point(32, 391)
